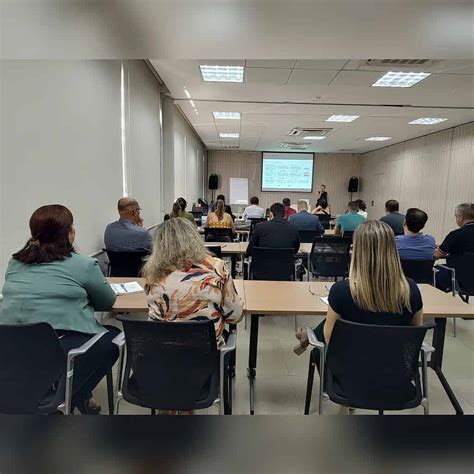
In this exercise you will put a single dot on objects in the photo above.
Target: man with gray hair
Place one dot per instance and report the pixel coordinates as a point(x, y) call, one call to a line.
point(304, 220)
point(127, 234)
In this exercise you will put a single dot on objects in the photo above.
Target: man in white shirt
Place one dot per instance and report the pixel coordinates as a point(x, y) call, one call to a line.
point(253, 211)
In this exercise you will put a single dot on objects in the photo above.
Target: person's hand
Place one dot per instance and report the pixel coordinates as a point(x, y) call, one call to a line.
point(140, 221)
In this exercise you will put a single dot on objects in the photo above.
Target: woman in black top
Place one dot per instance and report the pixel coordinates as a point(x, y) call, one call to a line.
point(322, 195)
point(377, 291)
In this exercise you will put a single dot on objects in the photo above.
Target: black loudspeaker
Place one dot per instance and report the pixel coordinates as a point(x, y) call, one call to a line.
point(353, 185)
point(213, 181)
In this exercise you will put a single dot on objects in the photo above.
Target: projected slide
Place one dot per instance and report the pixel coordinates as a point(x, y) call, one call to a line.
point(287, 172)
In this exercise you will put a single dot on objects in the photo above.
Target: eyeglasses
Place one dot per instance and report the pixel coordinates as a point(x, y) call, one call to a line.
point(323, 293)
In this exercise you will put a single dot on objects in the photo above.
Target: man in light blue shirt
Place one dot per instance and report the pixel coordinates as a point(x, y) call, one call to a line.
point(127, 234)
point(414, 245)
point(303, 220)
point(350, 221)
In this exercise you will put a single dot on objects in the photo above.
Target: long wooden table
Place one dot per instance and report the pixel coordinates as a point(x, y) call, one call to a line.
point(266, 298)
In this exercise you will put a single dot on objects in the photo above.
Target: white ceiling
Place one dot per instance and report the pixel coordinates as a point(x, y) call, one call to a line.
point(278, 95)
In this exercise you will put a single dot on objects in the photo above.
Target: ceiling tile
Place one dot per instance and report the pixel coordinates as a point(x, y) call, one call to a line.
point(272, 63)
point(311, 77)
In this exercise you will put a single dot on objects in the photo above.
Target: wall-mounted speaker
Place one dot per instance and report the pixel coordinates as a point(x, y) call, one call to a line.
point(213, 181)
point(353, 185)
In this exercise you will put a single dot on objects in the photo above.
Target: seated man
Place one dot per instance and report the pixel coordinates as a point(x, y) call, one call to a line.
point(303, 220)
point(127, 234)
point(275, 233)
point(393, 218)
point(350, 221)
point(289, 211)
point(457, 243)
point(415, 245)
point(253, 211)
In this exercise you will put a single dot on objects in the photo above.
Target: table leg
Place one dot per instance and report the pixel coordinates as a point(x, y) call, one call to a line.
point(308, 263)
point(251, 371)
point(437, 360)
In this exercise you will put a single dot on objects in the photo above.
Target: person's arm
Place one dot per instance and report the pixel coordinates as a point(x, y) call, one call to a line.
point(337, 229)
point(331, 318)
point(254, 241)
point(147, 241)
point(245, 215)
point(207, 221)
point(100, 294)
point(417, 319)
point(445, 248)
point(232, 304)
point(297, 242)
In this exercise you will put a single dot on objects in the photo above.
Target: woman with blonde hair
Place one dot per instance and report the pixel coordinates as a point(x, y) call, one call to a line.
point(183, 281)
point(377, 291)
point(219, 219)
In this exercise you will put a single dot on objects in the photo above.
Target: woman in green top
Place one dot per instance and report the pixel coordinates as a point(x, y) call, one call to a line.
point(179, 210)
point(47, 281)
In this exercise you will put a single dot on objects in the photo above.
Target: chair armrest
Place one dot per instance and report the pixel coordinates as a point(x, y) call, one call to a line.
point(452, 270)
point(453, 276)
point(85, 347)
point(230, 345)
point(313, 341)
point(427, 348)
point(119, 340)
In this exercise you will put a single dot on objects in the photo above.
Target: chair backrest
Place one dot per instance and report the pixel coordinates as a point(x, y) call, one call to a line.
point(31, 360)
point(216, 250)
point(170, 365)
point(348, 234)
point(197, 214)
point(419, 270)
point(272, 264)
point(374, 366)
point(217, 234)
point(330, 256)
point(307, 236)
point(254, 221)
point(464, 266)
point(126, 264)
point(324, 220)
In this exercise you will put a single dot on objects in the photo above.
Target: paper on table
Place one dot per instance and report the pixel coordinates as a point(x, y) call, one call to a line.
point(325, 299)
point(126, 288)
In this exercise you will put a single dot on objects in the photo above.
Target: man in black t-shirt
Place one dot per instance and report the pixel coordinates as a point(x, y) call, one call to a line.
point(457, 243)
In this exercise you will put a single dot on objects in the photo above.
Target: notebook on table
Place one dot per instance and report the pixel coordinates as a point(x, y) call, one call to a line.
point(126, 288)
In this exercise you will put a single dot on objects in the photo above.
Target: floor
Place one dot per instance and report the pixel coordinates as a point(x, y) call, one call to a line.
point(280, 385)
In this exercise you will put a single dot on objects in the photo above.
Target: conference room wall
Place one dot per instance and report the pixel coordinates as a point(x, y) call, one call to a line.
point(434, 172)
point(331, 169)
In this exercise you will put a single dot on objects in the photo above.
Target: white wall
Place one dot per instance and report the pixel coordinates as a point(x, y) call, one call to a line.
point(433, 173)
point(331, 169)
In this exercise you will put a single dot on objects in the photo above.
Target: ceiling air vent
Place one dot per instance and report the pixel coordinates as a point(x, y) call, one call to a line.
point(400, 63)
point(294, 145)
point(229, 145)
point(315, 132)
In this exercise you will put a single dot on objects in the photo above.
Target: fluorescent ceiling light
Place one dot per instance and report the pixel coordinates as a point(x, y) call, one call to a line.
point(294, 146)
point(377, 139)
point(427, 121)
point(342, 118)
point(313, 137)
point(227, 115)
point(400, 79)
point(222, 73)
point(187, 93)
point(229, 135)
point(228, 145)
point(192, 103)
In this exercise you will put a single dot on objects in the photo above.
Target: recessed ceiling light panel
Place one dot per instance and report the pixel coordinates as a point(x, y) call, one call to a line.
point(428, 121)
point(227, 115)
point(222, 73)
point(400, 79)
point(377, 139)
point(229, 135)
point(313, 137)
point(342, 118)
point(294, 146)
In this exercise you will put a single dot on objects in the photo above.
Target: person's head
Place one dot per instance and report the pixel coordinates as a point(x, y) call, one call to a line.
point(376, 278)
point(362, 204)
point(202, 203)
point(323, 203)
point(221, 197)
point(129, 208)
point(176, 211)
point(277, 210)
point(286, 202)
point(464, 213)
point(302, 205)
point(415, 219)
point(176, 242)
point(182, 202)
point(353, 206)
point(52, 236)
point(323, 188)
point(254, 200)
point(392, 206)
point(220, 208)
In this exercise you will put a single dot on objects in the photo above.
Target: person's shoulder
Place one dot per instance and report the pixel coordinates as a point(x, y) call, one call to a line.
point(340, 289)
point(80, 261)
point(414, 289)
point(430, 238)
point(384, 218)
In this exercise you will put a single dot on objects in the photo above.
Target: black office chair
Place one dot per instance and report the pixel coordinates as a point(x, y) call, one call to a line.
point(215, 250)
point(125, 264)
point(272, 264)
point(197, 214)
point(254, 221)
point(174, 366)
point(324, 220)
point(308, 236)
point(421, 271)
point(218, 234)
point(348, 234)
point(371, 367)
point(36, 375)
point(330, 257)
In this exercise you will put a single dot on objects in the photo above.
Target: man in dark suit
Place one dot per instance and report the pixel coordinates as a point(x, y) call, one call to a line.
point(275, 233)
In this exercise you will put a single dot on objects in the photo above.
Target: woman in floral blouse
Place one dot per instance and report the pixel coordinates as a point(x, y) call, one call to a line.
point(184, 283)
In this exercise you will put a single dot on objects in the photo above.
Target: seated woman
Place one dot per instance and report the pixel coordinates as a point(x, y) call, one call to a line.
point(376, 292)
point(219, 219)
point(322, 209)
point(179, 210)
point(202, 203)
point(183, 281)
point(47, 281)
point(362, 208)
